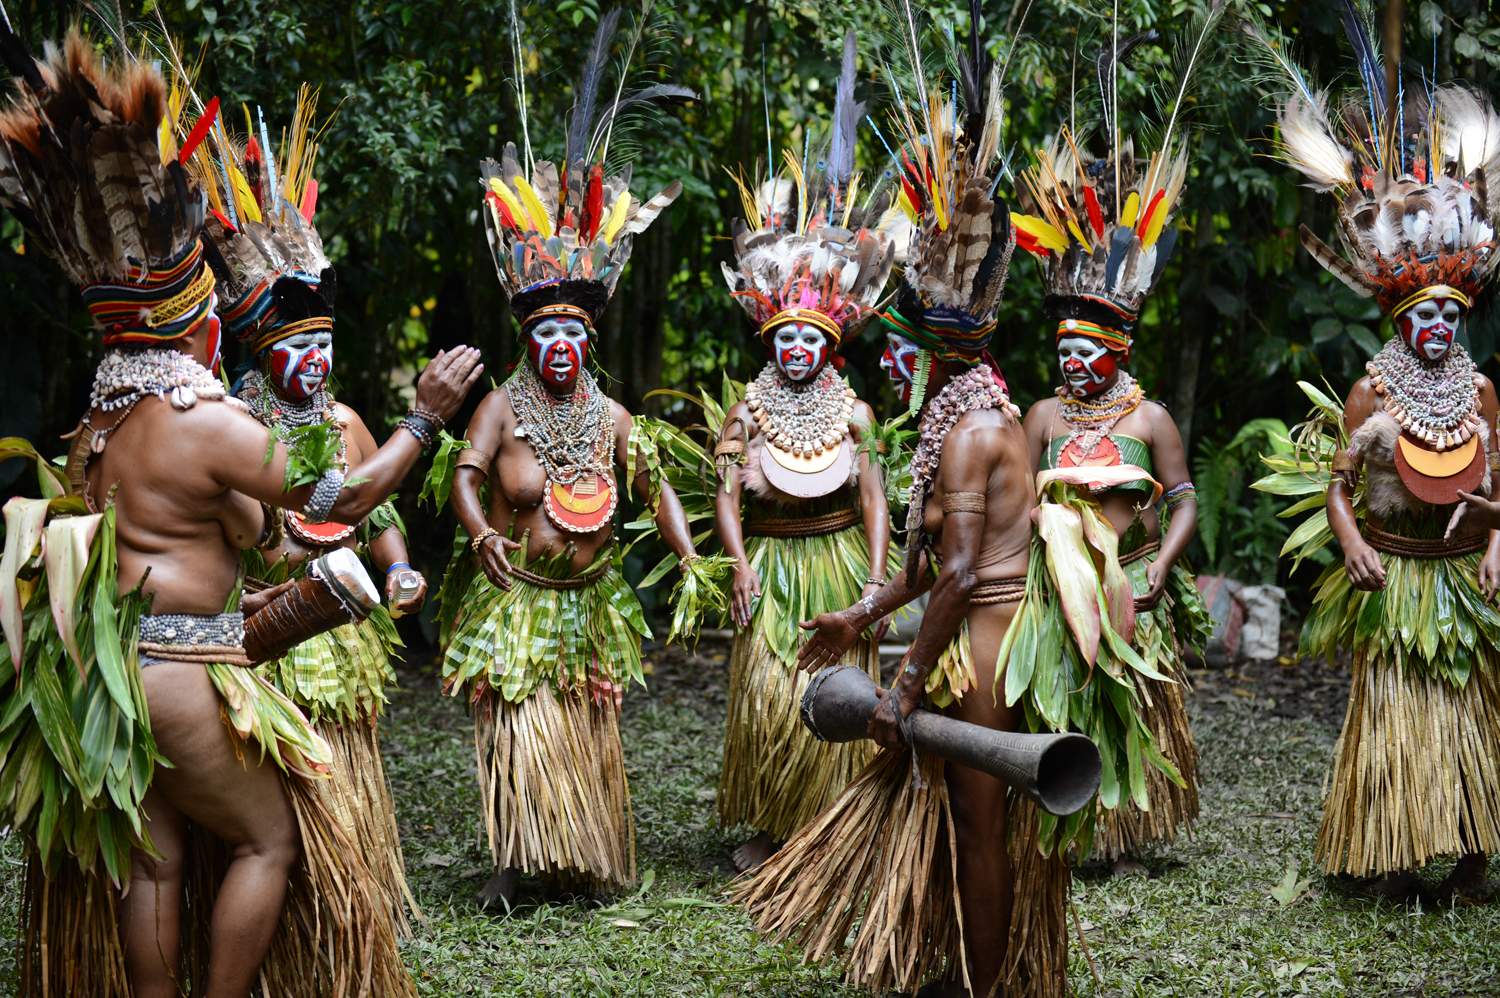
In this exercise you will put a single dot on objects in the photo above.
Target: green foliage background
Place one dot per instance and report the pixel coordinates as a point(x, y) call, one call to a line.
point(426, 92)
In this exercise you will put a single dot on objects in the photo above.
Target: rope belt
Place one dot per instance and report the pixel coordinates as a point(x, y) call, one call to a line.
point(811, 526)
point(1140, 552)
point(197, 638)
point(998, 591)
point(543, 582)
point(1418, 547)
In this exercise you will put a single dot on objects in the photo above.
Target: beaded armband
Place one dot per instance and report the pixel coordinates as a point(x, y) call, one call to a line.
point(1178, 495)
point(964, 502)
point(325, 494)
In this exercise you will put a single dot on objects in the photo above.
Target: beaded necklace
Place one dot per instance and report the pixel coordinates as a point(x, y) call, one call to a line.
point(803, 419)
point(277, 412)
point(1435, 402)
point(1090, 422)
point(574, 441)
point(973, 390)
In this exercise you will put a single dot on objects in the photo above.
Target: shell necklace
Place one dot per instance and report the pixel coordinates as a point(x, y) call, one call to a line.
point(275, 411)
point(970, 391)
point(1436, 403)
point(574, 441)
point(1090, 422)
point(802, 419)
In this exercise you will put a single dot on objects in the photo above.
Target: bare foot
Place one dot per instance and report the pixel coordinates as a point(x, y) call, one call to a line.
point(1126, 865)
point(1399, 886)
point(499, 892)
point(755, 852)
point(1466, 882)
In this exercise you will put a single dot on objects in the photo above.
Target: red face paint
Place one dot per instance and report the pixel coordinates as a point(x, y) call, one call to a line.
point(300, 365)
point(1429, 327)
point(900, 364)
point(1087, 365)
point(799, 350)
point(558, 349)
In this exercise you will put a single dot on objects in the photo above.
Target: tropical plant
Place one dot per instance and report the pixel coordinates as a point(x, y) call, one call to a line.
point(1241, 536)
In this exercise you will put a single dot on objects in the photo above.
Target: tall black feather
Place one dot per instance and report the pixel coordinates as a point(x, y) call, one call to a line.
point(1104, 64)
point(1371, 70)
point(582, 122)
point(17, 59)
point(845, 115)
point(657, 93)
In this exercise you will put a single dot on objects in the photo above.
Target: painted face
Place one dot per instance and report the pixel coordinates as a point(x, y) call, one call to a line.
point(900, 364)
point(1430, 326)
point(1087, 365)
point(558, 348)
point(299, 365)
point(800, 350)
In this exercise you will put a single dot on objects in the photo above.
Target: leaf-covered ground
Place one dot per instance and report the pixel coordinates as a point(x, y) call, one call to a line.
point(1236, 911)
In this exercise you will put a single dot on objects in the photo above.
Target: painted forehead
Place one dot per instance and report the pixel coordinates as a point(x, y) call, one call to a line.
point(549, 328)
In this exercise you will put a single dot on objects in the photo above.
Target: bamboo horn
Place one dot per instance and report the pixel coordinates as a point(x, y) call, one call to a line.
point(1059, 771)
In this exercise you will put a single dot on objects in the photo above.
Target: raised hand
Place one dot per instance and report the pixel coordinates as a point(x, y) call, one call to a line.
point(833, 635)
point(446, 381)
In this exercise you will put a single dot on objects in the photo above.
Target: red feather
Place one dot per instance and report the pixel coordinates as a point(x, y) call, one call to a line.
point(499, 205)
point(593, 202)
point(255, 171)
point(1140, 226)
point(309, 199)
point(200, 131)
point(1096, 217)
point(222, 220)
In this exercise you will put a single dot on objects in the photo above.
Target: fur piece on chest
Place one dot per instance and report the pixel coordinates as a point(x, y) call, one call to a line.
point(1374, 445)
point(755, 481)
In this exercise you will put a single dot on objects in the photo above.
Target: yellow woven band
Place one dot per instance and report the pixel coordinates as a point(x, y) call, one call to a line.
point(1112, 339)
point(809, 316)
point(184, 301)
point(1427, 294)
point(559, 311)
point(317, 324)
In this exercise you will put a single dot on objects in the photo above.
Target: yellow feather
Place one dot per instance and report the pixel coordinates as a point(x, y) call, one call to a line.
point(908, 208)
point(534, 208)
point(1045, 234)
point(244, 198)
point(1154, 224)
point(939, 208)
point(1077, 233)
point(1132, 206)
point(504, 193)
point(617, 217)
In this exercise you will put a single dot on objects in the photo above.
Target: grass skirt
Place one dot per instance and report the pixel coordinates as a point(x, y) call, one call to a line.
point(1416, 773)
point(339, 677)
point(1180, 619)
point(334, 938)
point(776, 775)
point(542, 666)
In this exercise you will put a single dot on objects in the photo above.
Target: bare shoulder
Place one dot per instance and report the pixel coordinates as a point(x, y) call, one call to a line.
point(863, 413)
point(1041, 411)
point(1162, 425)
point(349, 417)
point(620, 415)
point(1361, 403)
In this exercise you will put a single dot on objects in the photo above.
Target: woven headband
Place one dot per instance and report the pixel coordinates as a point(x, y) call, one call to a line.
point(806, 316)
point(248, 311)
point(950, 334)
point(559, 311)
point(1113, 339)
point(1428, 294)
point(315, 324)
point(153, 306)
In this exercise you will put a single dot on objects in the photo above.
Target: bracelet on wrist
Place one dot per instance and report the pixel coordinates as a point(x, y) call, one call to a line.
point(484, 535)
point(872, 581)
point(428, 415)
point(399, 564)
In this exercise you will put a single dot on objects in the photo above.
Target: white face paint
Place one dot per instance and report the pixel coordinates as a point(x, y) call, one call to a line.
point(300, 364)
point(800, 350)
point(1084, 364)
point(1430, 327)
point(558, 348)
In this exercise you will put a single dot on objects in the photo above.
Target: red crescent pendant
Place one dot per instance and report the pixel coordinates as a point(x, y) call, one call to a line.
point(1105, 455)
point(582, 507)
point(320, 535)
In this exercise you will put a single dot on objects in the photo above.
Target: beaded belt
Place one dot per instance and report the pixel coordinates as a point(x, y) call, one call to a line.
point(190, 637)
point(1140, 552)
point(811, 526)
point(544, 582)
point(998, 591)
point(1420, 547)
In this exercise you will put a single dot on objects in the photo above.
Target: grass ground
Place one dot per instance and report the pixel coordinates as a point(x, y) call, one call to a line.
point(1237, 910)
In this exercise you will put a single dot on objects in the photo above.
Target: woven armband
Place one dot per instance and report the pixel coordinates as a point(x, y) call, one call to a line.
point(473, 457)
point(1342, 461)
point(1178, 495)
point(1494, 458)
point(964, 502)
point(729, 448)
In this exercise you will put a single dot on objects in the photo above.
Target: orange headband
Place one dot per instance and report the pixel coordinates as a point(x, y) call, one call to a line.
point(807, 316)
point(559, 311)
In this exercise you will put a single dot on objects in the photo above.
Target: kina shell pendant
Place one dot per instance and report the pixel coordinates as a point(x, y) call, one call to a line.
point(583, 506)
point(807, 477)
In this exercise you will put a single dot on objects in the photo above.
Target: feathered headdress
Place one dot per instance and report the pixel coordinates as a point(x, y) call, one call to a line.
point(88, 170)
point(824, 259)
point(274, 280)
point(1411, 176)
point(957, 265)
point(1103, 225)
point(561, 241)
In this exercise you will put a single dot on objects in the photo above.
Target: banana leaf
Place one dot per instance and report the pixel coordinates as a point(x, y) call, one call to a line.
point(23, 532)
